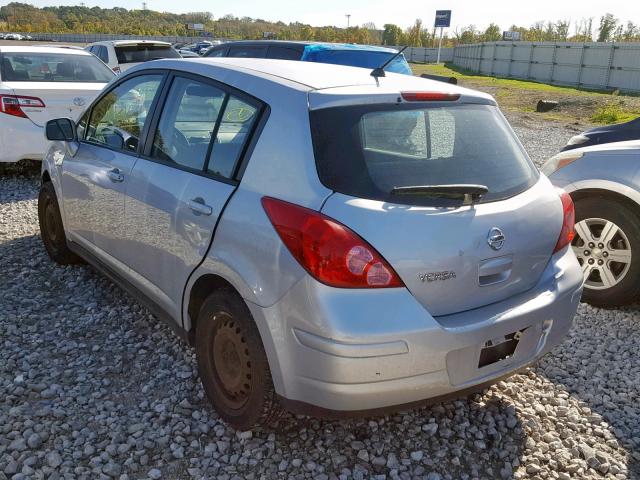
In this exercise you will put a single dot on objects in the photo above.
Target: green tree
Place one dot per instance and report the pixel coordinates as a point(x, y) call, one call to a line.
point(608, 24)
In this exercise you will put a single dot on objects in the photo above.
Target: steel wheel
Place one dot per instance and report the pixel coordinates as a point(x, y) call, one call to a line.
point(231, 361)
point(604, 252)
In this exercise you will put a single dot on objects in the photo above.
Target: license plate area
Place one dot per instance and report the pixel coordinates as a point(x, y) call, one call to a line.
point(498, 349)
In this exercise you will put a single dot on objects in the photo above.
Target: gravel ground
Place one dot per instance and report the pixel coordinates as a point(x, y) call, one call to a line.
point(92, 386)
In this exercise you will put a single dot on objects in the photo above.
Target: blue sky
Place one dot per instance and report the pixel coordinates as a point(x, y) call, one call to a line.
point(332, 12)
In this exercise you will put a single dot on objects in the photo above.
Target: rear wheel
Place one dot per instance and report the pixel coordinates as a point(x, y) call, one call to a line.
point(232, 363)
point(51, 229)
point(607, 245)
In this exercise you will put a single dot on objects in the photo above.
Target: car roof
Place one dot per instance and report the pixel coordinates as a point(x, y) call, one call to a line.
point(118, 43)
point(627, 145)
point(316, 76)
point(42, 49)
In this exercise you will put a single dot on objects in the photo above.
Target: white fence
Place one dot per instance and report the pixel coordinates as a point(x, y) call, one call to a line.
point(427, 55)
point(590, 65)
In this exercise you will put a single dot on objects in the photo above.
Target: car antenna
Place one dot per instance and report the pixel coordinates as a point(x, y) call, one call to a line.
point(379, 71)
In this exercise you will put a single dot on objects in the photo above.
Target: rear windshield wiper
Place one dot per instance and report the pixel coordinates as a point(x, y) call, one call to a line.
point(463, 190)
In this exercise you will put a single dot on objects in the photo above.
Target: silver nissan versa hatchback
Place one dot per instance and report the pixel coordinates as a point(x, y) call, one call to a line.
point(331, 241)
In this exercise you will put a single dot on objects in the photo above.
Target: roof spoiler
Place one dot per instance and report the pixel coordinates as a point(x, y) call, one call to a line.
point(440, 78)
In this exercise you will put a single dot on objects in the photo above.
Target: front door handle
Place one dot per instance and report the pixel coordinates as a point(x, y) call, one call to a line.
point(198, 206)
point(115, 175)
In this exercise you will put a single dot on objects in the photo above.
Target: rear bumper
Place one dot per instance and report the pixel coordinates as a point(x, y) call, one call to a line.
point(21, 139)
point(364, 350)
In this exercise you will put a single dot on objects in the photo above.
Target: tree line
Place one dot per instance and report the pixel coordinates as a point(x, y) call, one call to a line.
point(21, 17)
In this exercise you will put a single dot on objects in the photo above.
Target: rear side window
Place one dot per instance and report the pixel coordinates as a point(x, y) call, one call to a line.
point(103, 54)
point(247, 52)
point(366, 151)
point(186, 123)
point(144, 53)
point(55, 67)
point(284, 53)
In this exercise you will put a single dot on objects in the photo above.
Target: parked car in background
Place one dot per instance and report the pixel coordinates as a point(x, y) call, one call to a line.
point(618, 132)
point(335, 53)
point(188, 53)
point(13, 36)
point(235, 199)
point(121, 55)
point(40, 83)
point(604, 182)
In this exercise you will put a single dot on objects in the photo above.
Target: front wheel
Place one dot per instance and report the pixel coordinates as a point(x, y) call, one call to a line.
point(51, 229)
point(232, 363)
point(607, 245)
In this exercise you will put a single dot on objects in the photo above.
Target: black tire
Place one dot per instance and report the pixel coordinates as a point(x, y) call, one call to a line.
point(235, 373)
point(51, 229)
point(627, 290)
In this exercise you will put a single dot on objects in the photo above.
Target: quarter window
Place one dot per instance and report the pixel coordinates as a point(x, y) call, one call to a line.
point(187, 122)
point(236, 126)
point(284, 53)
point(117, 120)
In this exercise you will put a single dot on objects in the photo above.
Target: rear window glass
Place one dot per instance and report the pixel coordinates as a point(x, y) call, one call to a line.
point(55, 67)
point(144, 53)
point(367, 151)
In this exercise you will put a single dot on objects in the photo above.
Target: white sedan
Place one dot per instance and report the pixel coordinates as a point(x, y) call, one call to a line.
point(38, 84)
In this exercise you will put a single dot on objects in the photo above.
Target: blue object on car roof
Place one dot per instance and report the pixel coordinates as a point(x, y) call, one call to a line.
point(365, 56)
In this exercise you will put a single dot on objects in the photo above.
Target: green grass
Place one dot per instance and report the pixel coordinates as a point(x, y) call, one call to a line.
point(612, 113)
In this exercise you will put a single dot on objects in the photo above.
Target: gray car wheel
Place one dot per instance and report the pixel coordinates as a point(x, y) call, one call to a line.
point(607, 245)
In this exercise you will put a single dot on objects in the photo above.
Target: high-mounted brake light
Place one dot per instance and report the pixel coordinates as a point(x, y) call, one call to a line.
point(430, 96)
point(331, 252)
point(567, 233)
point(13, 104)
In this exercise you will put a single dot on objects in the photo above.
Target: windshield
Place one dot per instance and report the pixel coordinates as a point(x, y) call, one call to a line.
point(369, 150)
point(53, 67)
point(144, 53)
point(359, 58)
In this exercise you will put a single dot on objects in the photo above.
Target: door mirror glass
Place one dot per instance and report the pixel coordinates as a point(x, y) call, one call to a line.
point(61, 129)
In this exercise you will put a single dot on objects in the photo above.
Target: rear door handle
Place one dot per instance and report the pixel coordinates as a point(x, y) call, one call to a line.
point(198, 206)
point(115, 175)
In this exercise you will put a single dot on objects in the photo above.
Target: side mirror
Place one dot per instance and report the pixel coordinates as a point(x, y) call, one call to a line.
point(61, 129)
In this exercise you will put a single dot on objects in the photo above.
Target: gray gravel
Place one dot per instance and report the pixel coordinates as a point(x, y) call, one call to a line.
point(92, 386)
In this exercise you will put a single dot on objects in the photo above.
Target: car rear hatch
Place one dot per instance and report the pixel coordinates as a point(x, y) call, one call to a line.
point(134, 53)
point(453, 251)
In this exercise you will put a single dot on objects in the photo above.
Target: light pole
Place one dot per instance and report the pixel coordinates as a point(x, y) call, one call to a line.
point(348, 15)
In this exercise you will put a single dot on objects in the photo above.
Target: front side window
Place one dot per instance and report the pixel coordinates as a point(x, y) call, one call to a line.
point(247, 52)
point(283, 53)
point(53, 67)
point(118, 118)
point(367, 151)
point(187, 122)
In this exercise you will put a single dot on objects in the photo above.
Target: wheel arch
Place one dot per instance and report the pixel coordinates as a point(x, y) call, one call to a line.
point(632, 203)
point(209, 282)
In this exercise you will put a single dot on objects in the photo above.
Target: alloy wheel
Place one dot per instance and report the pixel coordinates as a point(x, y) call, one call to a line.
point(604, 252)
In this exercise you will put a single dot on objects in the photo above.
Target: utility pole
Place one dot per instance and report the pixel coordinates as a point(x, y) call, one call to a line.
point(348, 15)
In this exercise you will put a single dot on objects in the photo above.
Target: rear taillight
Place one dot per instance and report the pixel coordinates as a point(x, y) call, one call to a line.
point(430, 96)
point(328, 250)
point(568, 232)
point(13, 104)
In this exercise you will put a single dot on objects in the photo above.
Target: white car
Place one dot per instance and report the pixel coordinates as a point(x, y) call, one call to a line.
point(13, 36)
point(38, 84)
point(120, 55)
